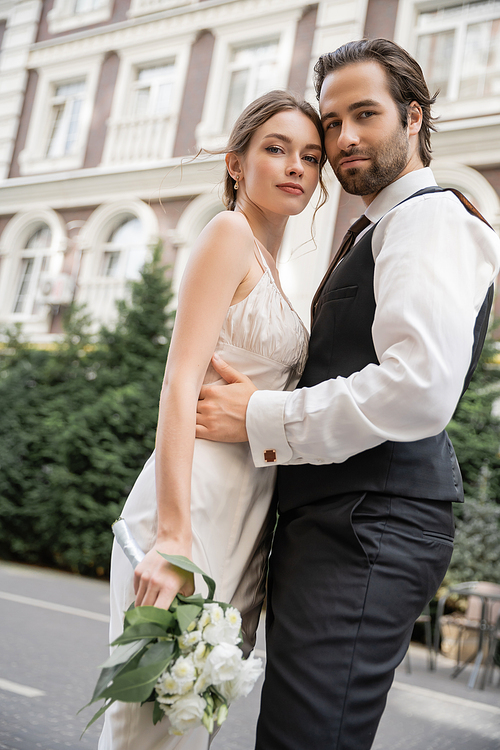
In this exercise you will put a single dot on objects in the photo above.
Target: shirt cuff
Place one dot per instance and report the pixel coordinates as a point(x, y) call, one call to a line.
point(265, 428)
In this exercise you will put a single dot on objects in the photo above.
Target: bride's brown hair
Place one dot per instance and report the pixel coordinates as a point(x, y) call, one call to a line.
point(255, 115)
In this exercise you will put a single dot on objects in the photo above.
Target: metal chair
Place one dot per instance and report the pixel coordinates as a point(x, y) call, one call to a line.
point(424, 618)
point(481, 620)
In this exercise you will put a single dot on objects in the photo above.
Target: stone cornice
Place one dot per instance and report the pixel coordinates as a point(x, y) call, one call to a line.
point(175, 178)
point(212, 14)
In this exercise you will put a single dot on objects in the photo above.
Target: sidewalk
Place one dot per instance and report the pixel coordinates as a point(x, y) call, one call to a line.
point(428, 710)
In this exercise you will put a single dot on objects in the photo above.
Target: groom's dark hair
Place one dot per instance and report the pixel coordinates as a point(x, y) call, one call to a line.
point(404, 75)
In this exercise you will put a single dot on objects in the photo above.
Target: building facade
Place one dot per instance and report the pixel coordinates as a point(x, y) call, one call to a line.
point(105, 103)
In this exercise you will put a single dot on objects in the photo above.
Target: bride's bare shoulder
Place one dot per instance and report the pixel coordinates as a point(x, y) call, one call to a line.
point(228, 226)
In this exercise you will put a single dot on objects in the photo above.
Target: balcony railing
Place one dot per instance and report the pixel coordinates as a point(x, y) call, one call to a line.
point(134, 139)
point(141, 7)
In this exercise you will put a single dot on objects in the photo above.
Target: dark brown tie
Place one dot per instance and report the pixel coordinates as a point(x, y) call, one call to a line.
point(345, 246)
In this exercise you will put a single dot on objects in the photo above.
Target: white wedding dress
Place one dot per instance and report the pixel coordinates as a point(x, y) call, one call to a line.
point(231, 513)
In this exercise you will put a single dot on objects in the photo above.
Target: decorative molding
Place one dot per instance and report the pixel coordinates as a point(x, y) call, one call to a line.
point(174, 178)
point(12, 241)
point(282, 28)
point(473, 184)
point(22, 19)
point(140, 140)
point(143, 7)
point(33, 159)
point(63, 17)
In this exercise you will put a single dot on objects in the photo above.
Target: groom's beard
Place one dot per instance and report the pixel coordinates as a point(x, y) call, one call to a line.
point(386, 164)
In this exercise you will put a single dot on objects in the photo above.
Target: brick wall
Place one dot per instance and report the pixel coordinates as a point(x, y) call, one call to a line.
point(301, 62)
point(194, 94)
point(24, 122)
point(102, 110)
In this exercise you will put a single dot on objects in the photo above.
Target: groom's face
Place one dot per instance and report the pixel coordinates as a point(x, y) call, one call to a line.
point(366, 143)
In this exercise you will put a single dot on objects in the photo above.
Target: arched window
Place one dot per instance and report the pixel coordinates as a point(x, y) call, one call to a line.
point(34, 259)
point(115, 245)
point(124, 253)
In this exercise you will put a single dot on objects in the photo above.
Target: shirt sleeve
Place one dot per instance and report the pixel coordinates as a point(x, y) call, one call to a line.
point(434, 263)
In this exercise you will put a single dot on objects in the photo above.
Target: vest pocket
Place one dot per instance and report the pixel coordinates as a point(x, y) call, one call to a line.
point(342, 293)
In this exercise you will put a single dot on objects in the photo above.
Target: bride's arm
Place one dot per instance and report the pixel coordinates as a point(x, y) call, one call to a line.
point(221, 261)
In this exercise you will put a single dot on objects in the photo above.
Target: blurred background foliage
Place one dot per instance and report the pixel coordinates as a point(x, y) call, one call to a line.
point(78, 422)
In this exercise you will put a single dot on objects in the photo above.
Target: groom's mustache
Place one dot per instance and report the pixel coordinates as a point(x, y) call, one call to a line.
point(346, 156)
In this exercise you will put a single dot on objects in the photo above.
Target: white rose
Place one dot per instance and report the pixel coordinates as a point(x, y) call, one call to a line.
point(186, 713)
point(223, 663)
point(216, 633)
point(241, 685)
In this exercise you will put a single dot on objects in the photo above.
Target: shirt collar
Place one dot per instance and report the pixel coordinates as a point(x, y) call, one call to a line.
point(398, 191)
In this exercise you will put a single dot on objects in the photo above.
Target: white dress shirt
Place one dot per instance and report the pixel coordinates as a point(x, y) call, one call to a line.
point(434, 263)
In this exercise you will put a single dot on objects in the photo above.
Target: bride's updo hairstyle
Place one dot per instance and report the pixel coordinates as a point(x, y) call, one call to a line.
point(255, 115)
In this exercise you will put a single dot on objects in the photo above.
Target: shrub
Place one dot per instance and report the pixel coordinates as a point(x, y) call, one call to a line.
point(77, 424)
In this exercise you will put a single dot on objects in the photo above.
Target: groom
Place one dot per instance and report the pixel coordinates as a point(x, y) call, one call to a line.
point(367, 474)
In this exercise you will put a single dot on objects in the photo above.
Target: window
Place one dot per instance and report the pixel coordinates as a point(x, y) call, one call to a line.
point(34, 260)
point(87, 6)
point(459, 49)
point(152, 90)
point(66, 117)
point(252, 72)
point(125, 251)
point(62, 113)
point(148, 93)
point(115, 241)
point(73, 14)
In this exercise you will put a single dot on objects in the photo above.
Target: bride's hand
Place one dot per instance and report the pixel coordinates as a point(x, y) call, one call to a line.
point(156, 581)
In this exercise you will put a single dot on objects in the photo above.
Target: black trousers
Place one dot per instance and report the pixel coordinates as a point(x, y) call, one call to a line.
point(348, 578)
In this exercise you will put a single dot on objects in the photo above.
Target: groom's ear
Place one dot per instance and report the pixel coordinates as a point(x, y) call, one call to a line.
point(414, 118)
point(233, 164)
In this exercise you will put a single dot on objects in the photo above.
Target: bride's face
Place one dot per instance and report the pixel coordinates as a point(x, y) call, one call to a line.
point(280, 170)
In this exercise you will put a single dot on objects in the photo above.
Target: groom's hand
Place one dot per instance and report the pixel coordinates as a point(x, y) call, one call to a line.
point(221, 411)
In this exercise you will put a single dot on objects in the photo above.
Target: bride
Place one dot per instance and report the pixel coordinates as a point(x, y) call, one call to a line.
point(197, 498)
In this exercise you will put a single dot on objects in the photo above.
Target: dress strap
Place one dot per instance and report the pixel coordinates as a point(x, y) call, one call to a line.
point(260, 257)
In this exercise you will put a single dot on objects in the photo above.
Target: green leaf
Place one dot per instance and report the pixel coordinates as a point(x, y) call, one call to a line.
point(161, 651)
point(140, 631)
point(109, 674)
point(97, 715)
point(161, 617)
point(123, 653)
point(193, 599)
point(184, 564)
point(158, 713)
point(186, 613)
point(135, 686)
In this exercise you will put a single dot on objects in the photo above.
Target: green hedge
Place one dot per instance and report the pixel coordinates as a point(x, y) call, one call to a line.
point(77, 424)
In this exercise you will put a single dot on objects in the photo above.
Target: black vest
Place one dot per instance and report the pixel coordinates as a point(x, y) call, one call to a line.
point(341, 344)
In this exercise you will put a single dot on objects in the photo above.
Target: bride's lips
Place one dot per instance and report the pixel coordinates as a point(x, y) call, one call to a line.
point(291, 187)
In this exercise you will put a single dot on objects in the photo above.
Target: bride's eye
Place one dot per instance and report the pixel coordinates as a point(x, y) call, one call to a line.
point(274, 149)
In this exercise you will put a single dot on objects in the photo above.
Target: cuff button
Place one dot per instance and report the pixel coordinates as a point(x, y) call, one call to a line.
point(270, 456)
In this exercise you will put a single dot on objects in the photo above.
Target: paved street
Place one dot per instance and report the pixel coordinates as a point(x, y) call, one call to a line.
point(53, 634)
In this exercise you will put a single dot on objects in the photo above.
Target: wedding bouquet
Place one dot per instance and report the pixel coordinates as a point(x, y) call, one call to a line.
point(185, 659)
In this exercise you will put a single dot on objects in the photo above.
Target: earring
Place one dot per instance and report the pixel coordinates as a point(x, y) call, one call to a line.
point(236, 182)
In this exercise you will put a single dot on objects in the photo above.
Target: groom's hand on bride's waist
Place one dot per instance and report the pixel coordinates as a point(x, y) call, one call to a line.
point(222, 409)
